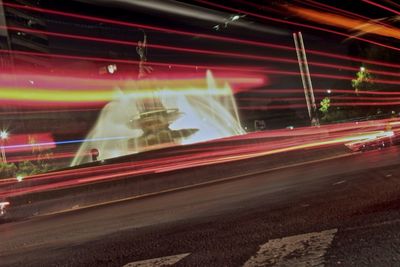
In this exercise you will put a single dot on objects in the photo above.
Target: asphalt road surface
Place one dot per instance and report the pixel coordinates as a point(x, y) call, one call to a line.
point(341, 212)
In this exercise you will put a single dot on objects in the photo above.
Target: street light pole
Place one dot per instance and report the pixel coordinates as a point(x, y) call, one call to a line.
point(306, 78)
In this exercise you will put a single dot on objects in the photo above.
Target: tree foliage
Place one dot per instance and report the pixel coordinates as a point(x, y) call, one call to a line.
point(325, 104)
point(363, 80)
point(7, 170)
point(27, 168)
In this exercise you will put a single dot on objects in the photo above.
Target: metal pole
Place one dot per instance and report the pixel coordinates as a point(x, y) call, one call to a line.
point(308, 76)
point(302, 72)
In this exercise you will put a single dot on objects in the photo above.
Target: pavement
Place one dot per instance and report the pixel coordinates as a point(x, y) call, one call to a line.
point(341, 212)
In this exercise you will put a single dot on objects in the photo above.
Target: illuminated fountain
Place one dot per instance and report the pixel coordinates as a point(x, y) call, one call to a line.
point(143, 120)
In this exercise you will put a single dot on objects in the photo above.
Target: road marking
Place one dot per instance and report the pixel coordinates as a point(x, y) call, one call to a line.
point(163, 261)
point(340, 182)
point(299, 250)
point(373, 225)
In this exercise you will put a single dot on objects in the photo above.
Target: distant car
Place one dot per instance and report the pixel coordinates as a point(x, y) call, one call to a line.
point(371, 144)
point(3, 206)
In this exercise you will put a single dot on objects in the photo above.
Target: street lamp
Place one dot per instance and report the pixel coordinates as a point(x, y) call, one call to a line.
point(3, 137)
point(112, 68)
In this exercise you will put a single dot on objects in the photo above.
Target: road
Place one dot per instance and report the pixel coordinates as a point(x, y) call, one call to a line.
point(339, 212)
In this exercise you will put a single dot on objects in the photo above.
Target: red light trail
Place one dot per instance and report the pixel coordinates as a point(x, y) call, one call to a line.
point(301, 106)
point(125, 61)
point(382, 7)
point(324, 91)
point(392, 3)
point(297, 24)
point(260, 145)
point(319, 75)
point(206, 36)
point(330, 97)
point(192, 50)
point(339, 11)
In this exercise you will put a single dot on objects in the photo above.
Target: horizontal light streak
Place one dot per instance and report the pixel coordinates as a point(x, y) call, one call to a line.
point(197, 35)
point(197, 51)
point(296, 24)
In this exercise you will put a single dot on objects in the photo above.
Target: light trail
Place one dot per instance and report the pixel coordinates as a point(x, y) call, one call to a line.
point(318, 75)
point(206, 36)
point(202, 159)
point(77, 141)
point(392, 3)
point(8, 113)
point(174, 87)
point(334, 104)
point(219, 146)
point(297, 24)
point(18, 78)
point(318, 96)
point(125, 61)
point(323, 91)
point(341, 11)
point(359, 92)
point(346, 23)
point(196, 51)
point(147, 27)
point(33, 158)
point(274, 107)
point(60, 98)
point(156, 46)
point(382, 7)
point(330, 8)
point(262, 7)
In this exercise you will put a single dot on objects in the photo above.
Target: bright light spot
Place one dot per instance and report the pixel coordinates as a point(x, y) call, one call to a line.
point(20, 178)
point(362, 69)
point(112, 68)
point(3, 134)
point(389, 134)
point(235, 17)
point(3, 206)
point(290, 127)
point(329, 91)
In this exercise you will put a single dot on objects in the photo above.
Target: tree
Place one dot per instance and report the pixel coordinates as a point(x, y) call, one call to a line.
point(7, 170)
point(363, 80)
point(325, 104)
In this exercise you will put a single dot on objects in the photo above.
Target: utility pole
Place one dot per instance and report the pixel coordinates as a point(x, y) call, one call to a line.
point(306, 78)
